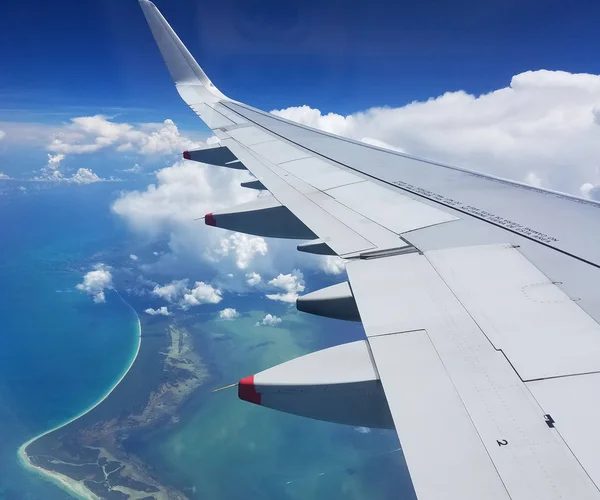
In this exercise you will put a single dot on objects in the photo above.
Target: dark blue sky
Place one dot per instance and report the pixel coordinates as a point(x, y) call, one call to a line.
point(78, 57)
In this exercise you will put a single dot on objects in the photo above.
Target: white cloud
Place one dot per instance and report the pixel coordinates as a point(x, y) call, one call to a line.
point(178, 292)
point(228, 313)
point(84, 176)
point(253, 279)
point(202, 293)
point(269, 320)
point(243, 246)
point(161, 311)
point(52, 172)
point(585, 189)
point(4, 177)
point(291, 284)
point(88, 134)
point(134, 170)
point(133, 257)
point(546, 119)
point(2, 134)
point(362, 430)
point(96, 281)
point(173, 291)
point(332, 264)
point(589, 191)
point(533, 179)
point(183, 192)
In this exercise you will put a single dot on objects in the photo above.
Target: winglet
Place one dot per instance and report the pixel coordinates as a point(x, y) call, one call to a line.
point(183, 67)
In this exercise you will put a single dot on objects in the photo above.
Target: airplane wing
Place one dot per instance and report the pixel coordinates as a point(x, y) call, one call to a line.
point(479, 298)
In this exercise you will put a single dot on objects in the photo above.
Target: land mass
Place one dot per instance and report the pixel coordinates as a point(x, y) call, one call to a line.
point(89, 456)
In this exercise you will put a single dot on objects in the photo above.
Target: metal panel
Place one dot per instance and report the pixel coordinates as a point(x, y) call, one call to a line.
point(278, 151)
point(214, 155)
point(338, 384)
point(264, 216)
point(538, 327)
point(249, 136)
point(379, 235)
point(212, 118)
point(406, 292)
point(334, 301)
point(234, 117)
point(389, 208)
point(341, 364)
point(337, 235)
point(443, 451)
point(574, 405)
point(319, 173)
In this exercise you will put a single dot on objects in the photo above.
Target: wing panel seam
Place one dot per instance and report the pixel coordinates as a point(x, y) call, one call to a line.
point(564, 252)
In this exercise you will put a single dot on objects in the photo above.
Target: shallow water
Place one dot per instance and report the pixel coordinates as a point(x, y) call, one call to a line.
point(59, 352)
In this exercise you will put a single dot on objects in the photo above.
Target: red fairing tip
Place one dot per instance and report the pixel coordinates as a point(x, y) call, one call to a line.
point(247, 390)
point(186, 155)
point(209, 220)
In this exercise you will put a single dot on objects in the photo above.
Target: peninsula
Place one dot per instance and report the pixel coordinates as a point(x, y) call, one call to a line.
point(89, 456)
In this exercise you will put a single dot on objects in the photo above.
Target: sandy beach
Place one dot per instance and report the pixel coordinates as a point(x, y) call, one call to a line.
point(75, 488)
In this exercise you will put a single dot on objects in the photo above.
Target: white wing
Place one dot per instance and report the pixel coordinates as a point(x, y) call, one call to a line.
point(478, 296)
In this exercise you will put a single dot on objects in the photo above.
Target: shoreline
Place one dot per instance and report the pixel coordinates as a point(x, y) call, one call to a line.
point(71, 486)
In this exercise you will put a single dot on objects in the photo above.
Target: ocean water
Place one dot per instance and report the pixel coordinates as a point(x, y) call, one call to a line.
point(59, 352)
point(227, 449)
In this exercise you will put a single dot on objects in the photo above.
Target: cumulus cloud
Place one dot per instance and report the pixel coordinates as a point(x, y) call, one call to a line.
point(182, 193)
point(332, 264)
point(269, 320)
point(173, 291)
point(243, 246)
point(52, 172)
point(291, 284)
point(253, 279)
point(96, 281)
point(544, 129)
point(202, 293)
point(134, 170)
point(84, 176)
point(4, 177)
point(133, 257)
point(178, 292)
point(589, 191)
point(161, 311)
point(228, 313)
point(533, 179)
point(89, 134)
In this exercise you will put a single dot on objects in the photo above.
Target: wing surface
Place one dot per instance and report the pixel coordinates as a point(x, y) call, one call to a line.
point(478, 296)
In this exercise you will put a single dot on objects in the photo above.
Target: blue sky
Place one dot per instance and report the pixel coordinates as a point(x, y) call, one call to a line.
point(66, 56)
point(65, 59)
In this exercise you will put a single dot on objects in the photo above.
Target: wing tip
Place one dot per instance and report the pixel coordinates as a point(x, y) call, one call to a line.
point(183, 67)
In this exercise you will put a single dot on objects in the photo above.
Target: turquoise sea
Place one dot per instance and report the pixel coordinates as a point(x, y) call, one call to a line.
point(59, 352)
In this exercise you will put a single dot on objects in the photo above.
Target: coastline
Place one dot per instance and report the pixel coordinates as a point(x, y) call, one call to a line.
point(72, 487)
